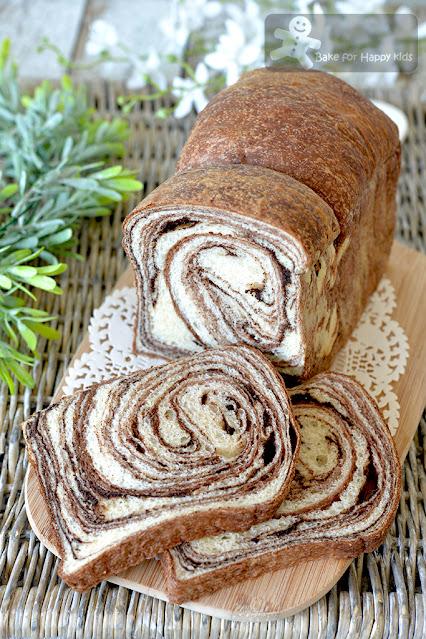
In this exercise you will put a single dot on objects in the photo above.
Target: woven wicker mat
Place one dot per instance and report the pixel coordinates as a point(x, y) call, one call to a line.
point(381, 595)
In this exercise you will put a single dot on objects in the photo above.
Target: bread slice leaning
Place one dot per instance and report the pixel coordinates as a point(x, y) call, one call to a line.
point(342, 500)
point(140, 463)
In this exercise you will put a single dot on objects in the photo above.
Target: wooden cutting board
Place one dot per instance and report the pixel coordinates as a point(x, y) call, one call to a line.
point(285, 592)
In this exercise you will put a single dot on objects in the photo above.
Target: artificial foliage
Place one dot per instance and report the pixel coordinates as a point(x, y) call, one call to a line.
point(55, 171)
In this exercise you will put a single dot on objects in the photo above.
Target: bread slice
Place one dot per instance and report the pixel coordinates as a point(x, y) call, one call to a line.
point(140, 463)
point(343, 498)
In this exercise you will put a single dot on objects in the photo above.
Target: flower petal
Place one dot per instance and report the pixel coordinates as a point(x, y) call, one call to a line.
point(200, 100)
point(182, 84)
point(201, 73)
point(184, 107)
point(235, 31)
point(136, 81)
point(216, 60)
point(249, 54)
point(232, 74)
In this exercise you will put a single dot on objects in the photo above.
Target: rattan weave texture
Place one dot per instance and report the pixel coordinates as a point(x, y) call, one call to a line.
point(382, 594)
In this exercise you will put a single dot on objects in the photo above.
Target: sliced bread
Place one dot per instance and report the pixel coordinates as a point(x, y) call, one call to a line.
point(140, 463)
point(341, 503)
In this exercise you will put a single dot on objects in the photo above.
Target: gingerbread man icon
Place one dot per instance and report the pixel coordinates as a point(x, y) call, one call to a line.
point(296, 42)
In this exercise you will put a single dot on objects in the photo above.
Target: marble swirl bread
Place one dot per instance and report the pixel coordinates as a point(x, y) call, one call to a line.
point(341, 503)
point(140, 463)
point(276, 228)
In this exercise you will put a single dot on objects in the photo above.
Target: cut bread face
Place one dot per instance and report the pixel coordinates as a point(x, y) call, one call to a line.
point(140, 463)
point(342, 500)
point(233, 271)
point(220, 279)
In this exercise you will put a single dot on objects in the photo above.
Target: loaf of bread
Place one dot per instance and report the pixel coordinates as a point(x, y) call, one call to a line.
point(276, 228)
point(138, 464)
point(343, 498)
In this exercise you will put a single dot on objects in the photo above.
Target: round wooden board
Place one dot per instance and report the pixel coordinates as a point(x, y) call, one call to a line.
point(283, 593)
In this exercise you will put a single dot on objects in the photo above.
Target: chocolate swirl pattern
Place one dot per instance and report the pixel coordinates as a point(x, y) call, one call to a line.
point(138, 464)
point(249, 263)
point(342, 500)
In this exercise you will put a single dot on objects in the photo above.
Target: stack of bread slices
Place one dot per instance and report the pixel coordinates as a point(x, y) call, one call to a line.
point(252, 265)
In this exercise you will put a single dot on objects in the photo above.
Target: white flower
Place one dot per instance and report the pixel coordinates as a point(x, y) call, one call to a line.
point(159, 71)
point(241, 45)
point(176, 35)
point(191, 92)
point(102, 37)
point(184, 18)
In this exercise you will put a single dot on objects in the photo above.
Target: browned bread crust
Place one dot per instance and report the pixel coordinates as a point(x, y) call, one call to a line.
point(307, 124)
point(253, 191)
point(140, 463)
point(332, 510)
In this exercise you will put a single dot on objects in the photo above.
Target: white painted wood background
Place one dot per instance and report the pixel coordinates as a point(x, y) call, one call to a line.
point(66, 23)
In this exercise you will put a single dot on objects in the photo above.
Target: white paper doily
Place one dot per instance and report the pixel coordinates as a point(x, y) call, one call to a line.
point(376, 354)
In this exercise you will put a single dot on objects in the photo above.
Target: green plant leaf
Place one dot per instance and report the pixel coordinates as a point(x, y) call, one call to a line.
point(60, 238)
point(8, 352)
point(53, 269)
point(56, 153)
point(124, 184)
point(36, 312)
point(24, 272)
point(45, 331)
point(108, 173)
point(20, 373)
point(97, 211)
point(42, 281)
point(11, 301)
point(67, 83)
point(8, 191)
point(28, 335)
point(49, 257)
point(4, 52)
point(11, 333)
point(6, 376)
point(5, 282)
point(109, 194)
point(83, 184)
